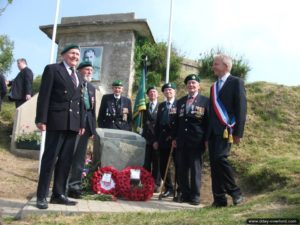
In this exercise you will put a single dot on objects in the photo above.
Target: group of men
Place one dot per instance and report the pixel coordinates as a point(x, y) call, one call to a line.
point(181, 129)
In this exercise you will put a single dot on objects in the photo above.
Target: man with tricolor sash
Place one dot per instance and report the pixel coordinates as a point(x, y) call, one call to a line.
point(227, 116)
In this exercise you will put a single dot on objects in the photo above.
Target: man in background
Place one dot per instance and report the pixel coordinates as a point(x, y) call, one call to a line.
point(151, 162)
point(60, 113)
point(75, 178)
point(3, 88)
point(115, 110)
point(21, 86)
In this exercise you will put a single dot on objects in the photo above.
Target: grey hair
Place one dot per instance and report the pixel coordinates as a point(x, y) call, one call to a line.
point(227, 60)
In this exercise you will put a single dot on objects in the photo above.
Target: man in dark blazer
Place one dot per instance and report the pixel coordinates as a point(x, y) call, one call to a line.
point(227, 116)
point(21, 86)
point(3, 88)
point(74, 185)
point(149, 119)
point(165, 120)
point(115, 110)
point(60, 113)
point(189, 137)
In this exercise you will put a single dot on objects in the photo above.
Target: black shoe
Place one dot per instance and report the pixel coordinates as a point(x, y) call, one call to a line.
point(183, 199)
point(61, 199)
point(237, 200)
point(195, 202)
point(167, 193)
point(41, 203)
point(219, 204)
point(75, 194)
point(177, 197)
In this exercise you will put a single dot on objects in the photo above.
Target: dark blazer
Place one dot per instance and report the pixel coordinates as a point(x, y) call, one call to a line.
point(21, 85)
point(192, 126)
point(91, 113)
point(149, 120)
point(233, 97)
point(59, 104)
point(3, 88)
point(110, 117)
point(162, 129)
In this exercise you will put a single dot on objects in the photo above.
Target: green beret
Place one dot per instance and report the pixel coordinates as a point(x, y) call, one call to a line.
point(192, 77)
point(117, 83)
point(150, 88)
point(68, 47)
point(84, 64)
point(168, 85)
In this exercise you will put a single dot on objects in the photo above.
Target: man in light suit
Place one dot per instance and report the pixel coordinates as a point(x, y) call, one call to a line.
point(21, 86)
point(59, 113)
point(151, 162)
point(227, 116)
point(115, 110)
point(74, 185)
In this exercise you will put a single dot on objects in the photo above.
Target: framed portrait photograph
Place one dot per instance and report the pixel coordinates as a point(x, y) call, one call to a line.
point(94, 55)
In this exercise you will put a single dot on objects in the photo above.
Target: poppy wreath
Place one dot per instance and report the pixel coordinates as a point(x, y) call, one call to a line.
point(101, 187)
point(141, 192)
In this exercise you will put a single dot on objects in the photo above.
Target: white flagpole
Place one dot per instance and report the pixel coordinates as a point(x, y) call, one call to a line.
point(169, 42)
point(43, 139)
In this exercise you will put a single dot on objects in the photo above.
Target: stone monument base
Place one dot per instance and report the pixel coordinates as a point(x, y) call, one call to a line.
point(118, 148)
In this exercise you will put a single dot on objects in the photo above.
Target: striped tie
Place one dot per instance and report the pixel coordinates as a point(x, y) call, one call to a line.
point(73, 77)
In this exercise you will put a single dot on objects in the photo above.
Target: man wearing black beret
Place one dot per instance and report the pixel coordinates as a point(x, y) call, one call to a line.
point(89, 98)
point(149, 119)
point(164, 124)
point(59, 112)
point(115, 110)
point(189, 137)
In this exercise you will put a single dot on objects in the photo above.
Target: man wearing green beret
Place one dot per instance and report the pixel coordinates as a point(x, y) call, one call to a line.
point(85, 69)
point(151, 162)
point(59, 112)
point(189, 136)
point(166, 115)
point(115, 110)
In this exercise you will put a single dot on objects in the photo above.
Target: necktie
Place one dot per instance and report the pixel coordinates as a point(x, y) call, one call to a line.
point(151, 107)
point(86, 98)
point(189, 103)
point(220, 81)
point(73, 77)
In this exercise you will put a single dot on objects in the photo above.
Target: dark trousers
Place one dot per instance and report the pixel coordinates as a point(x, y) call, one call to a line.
point(19, 102)
point(77, 167)
point(164, 154)
point(152, 163)
point(189, 159)
point(59, 148)
point(221, 171)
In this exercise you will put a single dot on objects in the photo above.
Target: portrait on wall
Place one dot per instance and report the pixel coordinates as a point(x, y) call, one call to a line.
point(93, 55)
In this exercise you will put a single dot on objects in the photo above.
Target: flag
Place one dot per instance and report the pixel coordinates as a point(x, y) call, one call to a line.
point(140, 104)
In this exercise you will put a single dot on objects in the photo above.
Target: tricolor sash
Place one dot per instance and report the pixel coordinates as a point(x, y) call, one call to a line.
point(221, 113)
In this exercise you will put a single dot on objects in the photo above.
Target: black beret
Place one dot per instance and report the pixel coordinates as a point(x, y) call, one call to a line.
point(84, 64)
point(168, 85)
point(192, 77)
point(117, 83)
point(150, 88)
point(68, 47)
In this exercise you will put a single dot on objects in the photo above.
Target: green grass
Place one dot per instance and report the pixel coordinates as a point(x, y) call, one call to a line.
point(267, 163)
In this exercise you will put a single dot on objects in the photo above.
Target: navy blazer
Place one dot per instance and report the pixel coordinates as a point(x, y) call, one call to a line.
point(109, 117)
point(192, 126)
point(21, 85)
point(59, 104)
point(233, 97)
point(91, 113)
point(163, 131)
point(149, 120)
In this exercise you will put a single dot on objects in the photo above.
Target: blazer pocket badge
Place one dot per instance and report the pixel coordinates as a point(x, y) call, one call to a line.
point(199, 111)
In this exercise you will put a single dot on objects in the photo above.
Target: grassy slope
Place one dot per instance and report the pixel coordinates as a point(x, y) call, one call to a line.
point(267, 163)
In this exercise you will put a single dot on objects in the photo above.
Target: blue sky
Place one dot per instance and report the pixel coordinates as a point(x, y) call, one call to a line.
point(264, 32)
